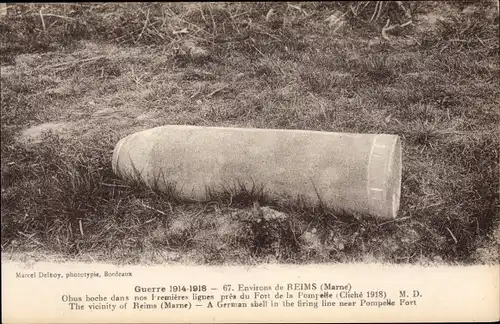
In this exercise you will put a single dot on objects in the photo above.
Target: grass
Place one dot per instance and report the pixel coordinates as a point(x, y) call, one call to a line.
point(78, 77)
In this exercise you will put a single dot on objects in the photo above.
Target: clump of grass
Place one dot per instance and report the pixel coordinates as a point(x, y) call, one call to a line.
point(239, 194)
point(83, 206)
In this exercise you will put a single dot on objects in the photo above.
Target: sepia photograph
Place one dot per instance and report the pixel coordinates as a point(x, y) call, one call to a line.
point(250, 133)
point(78, 78)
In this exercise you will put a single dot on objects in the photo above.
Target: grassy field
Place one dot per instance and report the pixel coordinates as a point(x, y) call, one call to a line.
point(75, 78)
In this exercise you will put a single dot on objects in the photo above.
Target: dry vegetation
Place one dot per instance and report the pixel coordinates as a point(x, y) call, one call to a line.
point(75, 78)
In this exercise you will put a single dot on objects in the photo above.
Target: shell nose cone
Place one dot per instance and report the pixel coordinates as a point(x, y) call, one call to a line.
point(116, 155)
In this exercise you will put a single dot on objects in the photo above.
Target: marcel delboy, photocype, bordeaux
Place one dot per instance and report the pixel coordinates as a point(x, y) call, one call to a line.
point(250, 161)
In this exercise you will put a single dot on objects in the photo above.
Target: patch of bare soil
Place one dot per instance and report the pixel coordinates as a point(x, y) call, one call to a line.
point(35, 134)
